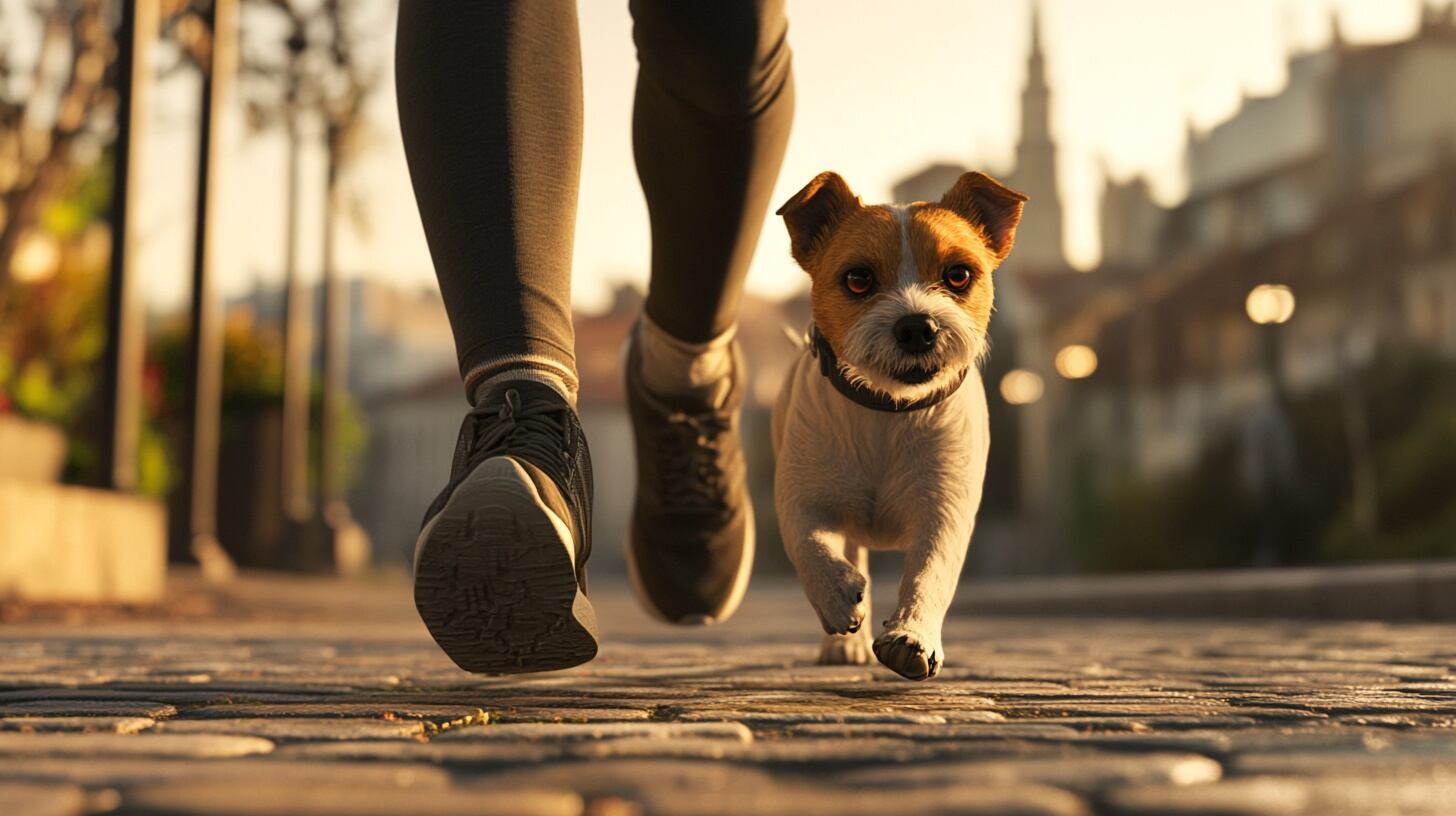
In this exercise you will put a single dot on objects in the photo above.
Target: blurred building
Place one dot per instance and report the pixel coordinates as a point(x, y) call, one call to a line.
point(1342, 186)
point(396, 337)
point(1339, 187)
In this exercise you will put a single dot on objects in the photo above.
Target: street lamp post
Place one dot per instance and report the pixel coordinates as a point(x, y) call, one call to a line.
point(120, 399)
point(197, 538)
point(1270, 306)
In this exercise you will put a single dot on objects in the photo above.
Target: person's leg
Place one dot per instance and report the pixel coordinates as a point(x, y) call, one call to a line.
point(714, 100)
point(711, 121)
point(490, 109)
point(490, 105)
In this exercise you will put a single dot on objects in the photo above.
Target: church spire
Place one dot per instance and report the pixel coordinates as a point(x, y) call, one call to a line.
point(1039, 237)
point(1035, 59)
point(1036, 96)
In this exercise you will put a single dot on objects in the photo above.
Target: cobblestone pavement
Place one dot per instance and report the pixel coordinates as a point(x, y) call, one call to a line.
point(306, 696)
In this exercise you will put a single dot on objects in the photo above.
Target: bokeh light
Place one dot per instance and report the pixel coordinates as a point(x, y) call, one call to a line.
point(1021, 387)
point(1076, 362)
point(36, 257)
point(1270, 303)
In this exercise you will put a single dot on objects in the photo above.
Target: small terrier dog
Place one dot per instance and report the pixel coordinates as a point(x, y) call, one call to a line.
point(880, 432)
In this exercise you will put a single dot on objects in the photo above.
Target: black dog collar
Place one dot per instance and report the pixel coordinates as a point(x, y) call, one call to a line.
point(868, 397)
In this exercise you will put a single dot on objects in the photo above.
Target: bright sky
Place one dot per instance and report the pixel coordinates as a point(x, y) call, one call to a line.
point(883, 89)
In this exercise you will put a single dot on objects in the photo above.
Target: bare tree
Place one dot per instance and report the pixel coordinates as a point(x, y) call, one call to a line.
point(59, 106)
point(315, 81)
point(47, 110)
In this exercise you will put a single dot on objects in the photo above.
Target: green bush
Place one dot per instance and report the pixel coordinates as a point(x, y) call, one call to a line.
point(1201, 517)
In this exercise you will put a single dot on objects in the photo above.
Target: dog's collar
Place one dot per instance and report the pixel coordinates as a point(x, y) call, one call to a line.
point(860, 394)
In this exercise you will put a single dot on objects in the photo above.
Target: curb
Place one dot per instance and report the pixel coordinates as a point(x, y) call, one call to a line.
point(1394, 591)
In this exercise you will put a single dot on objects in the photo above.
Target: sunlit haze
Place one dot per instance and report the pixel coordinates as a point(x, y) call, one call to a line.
point(883, 89)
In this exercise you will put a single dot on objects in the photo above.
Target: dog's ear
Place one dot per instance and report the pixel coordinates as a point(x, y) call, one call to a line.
point(990, 205)
point(814, 211)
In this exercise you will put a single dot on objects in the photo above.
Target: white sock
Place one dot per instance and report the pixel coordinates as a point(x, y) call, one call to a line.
point(488, 375)
point(673, 367)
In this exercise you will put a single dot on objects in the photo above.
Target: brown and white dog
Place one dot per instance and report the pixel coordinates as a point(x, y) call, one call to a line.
point(880, 432)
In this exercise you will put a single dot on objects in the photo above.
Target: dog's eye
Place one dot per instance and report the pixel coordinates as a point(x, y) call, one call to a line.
point(859, 281)
point(958, 277)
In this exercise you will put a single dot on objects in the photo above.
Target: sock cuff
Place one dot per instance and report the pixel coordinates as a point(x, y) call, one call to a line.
point(661, 335)
point(531, 367)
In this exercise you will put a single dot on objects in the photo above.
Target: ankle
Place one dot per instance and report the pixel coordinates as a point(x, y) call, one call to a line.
point(675, 367)
point(484, 378)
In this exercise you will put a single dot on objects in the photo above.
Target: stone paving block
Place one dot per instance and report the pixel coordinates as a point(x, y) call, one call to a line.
point(954, 715)
point(88, 708)
point(1210, 743)
point(103, 772)
point(542, 714)
point(251, 799)
point(632, 778)
point(1350, 703)
point(481, 753)
point(1401, 720)
point(1288, 796)
point(42, 800)
point(807, 716)
point(576, 732)
point(713, 788)
point(340, 709)
point(994, 731)
point(1143, 725)
point(282, 690)
point(1315, 740)
point(1084, 774)
point(958, 800)
point(193, 746)
point(1094, 708)
point(817, 751)
point(1432, 756)
point(174, 695)
point(85, 725)
point(689, 748)
point(298, 728)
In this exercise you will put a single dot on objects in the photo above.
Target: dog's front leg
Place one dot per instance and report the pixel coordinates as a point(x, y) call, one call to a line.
point(854, 648)
point(836, 588)
point(910, 644)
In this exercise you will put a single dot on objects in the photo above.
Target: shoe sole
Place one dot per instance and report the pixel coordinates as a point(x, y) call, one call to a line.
point(729, 605)
point(495, 578)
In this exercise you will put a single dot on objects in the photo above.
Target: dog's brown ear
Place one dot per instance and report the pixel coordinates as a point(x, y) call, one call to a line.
point(990, 205)
point(814, 211)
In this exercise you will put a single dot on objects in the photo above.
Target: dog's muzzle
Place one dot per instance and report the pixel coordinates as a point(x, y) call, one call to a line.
point(916, 333)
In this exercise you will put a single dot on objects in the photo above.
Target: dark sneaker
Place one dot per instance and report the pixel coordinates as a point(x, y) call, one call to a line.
point(500, 577)
point(690, 546)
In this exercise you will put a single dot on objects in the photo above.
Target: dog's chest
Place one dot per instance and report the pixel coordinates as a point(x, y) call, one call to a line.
point(879, 471)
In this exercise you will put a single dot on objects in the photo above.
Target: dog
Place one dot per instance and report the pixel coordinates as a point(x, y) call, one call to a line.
point(880, 431)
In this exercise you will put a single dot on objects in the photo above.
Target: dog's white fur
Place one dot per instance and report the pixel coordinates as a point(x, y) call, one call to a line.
point(850, 479)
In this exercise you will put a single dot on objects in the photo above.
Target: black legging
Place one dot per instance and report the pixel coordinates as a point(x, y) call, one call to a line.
point(490, 107)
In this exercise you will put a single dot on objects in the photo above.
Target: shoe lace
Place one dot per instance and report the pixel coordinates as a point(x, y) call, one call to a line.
point(539, 432)
point(689, 463)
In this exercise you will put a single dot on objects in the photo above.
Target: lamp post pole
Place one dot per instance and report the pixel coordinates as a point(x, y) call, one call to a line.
point(121, 366)
point(1271, 307)
point(198, 537)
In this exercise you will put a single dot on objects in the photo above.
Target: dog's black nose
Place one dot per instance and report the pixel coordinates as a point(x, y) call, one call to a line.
point(916, 333)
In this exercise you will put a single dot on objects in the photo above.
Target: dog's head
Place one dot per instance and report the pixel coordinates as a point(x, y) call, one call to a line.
point(903, 292)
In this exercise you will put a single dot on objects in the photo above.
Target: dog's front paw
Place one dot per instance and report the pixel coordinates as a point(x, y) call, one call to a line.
point(839, 599)
point(909, 655)
point(846, 650)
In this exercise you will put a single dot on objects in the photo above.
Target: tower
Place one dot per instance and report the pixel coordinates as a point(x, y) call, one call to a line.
point(1039, 238)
